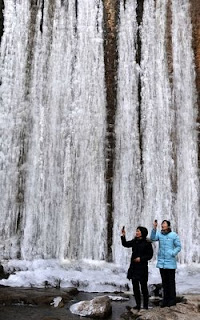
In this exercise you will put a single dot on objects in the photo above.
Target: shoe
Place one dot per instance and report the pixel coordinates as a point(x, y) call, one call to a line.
point(164, 305)
point(136, 308)
point(132, 308)
point(172, 304)
point(128, 308)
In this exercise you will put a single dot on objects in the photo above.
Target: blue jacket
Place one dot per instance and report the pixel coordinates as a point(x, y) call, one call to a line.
point(169, 247)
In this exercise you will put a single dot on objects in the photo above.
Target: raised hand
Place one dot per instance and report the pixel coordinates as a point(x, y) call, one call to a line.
point(136, 259)
point(155, 224)
point(123, 232)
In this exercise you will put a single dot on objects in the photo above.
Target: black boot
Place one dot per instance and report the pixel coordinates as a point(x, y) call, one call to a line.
point(145, 301)
point(164, 304)
point(138, 303)
point(136, 290)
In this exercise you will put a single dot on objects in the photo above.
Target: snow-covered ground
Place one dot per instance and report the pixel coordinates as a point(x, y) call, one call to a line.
point(90, 276)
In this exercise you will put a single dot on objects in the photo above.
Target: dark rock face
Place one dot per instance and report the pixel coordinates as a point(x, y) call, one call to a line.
point(195, 15)
point(1, 18)
point(111, 8)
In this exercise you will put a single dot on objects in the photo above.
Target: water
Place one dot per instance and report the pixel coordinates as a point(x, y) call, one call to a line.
point(46, 312)
point(53, 129)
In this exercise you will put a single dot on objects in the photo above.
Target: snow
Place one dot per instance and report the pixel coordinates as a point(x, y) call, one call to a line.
point(56, 301)
point(90, 277)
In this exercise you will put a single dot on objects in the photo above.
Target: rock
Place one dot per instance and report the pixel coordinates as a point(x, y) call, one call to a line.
point(34, 296)
point(189, 310)
point(194, 301)
point(50, 318)
point(156, 293)
point(99, 307)
point(3, 275)
point(155, 290)
point(195, 14)
point(118, 298)
point(57, 302)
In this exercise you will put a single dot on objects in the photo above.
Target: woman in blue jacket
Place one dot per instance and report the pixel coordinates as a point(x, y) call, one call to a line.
point(169, 247)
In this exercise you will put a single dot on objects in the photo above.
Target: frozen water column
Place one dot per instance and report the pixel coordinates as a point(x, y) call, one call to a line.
point(127, 176)
point(53, 111)
point(187, 208)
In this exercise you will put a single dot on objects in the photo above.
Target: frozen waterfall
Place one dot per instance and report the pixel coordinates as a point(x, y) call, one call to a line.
point(165, 183)
point(53, 128)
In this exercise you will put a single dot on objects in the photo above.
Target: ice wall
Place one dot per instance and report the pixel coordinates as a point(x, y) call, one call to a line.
point(53, 128)
point(160, 180)
point(128, 195)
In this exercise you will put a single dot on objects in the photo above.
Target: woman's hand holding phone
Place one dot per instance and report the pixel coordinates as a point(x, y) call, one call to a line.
point(155, 224)
point(123, 231)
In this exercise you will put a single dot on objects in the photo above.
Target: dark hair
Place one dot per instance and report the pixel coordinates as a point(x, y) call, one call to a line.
point(144, 231)
point(167, 221)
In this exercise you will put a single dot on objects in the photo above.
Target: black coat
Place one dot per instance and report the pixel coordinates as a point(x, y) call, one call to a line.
point(140, 248)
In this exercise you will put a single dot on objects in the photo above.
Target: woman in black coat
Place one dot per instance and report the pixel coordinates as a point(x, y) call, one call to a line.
point(138, 271)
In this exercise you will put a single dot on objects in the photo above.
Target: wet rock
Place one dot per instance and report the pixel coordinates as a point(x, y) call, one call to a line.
point(34, 296)
point(99, 307)
point(155, 290)
point(50, 318)
point(3, 274)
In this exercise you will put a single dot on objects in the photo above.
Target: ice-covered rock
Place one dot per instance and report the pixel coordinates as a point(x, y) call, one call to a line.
point(57, 302)
point(98, 307)
point(118, 298)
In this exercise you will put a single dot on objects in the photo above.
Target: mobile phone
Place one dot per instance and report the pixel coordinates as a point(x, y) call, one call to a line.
point(156, 221)
point(123, 228)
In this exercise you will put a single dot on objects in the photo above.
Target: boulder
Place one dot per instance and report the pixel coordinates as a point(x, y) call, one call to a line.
point(187, 310)
point(99, 307)
point(3, 274)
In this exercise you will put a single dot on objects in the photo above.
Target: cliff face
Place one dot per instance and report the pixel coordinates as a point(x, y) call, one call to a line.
point(111, 8)
point(1, 18)
point(195, 13)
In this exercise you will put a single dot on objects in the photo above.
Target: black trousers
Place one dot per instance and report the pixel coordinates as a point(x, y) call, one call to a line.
point(136, 290)
point(169, 286)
